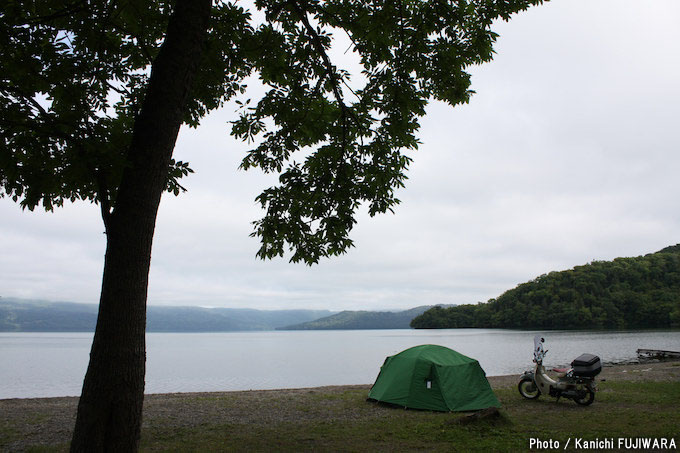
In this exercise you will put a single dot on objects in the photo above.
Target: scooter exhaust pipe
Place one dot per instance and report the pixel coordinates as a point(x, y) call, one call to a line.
point(570, 394)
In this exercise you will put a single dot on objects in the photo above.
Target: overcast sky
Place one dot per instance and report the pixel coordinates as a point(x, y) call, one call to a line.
point(568, 153)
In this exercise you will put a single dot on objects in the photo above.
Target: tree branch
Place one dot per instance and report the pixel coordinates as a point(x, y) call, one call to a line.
point(318, 45)
point(68, 10)
point(328, 69)
point(13, 91)
point(104, 202)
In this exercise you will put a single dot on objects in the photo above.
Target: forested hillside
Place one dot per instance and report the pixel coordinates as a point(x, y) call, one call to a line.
point(627, 293)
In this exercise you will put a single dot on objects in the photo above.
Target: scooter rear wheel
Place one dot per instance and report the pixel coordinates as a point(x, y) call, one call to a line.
point(528, 389)
point(587, 398)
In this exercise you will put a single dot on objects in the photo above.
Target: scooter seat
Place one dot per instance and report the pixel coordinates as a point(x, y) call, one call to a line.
point(560, 372)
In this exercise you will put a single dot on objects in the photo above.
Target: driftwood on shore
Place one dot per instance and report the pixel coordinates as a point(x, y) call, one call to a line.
point(658, 354)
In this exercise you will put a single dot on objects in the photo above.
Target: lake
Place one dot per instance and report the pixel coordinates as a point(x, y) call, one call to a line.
point(54, 364)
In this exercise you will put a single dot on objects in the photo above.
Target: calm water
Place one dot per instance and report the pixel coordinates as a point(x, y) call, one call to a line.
point(53, 364)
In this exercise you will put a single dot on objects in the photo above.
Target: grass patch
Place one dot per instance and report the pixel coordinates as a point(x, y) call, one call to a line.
point(47, 448)
point(341, 419)
point(621, 409)
point(7, 434)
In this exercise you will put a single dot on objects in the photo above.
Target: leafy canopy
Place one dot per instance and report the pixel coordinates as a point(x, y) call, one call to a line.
point(74, 75)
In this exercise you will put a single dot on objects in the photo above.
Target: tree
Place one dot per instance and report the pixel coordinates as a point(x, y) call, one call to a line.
point(93, 94)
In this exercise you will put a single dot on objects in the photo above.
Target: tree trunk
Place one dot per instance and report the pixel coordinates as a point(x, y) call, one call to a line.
point(110, 408)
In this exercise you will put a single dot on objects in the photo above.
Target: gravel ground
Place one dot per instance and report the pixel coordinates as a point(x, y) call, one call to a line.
point(49, 421)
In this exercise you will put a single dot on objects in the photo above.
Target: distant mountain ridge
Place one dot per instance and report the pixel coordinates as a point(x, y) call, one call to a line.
point(356, 320)
point(18, 315)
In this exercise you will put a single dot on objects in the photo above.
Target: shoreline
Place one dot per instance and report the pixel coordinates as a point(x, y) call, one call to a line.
point(34, 422)
point(617, 371)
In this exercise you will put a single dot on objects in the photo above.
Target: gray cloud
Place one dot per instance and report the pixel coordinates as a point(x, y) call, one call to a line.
point(567, 153)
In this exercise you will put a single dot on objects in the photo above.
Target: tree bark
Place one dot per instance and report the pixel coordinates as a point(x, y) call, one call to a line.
point(110, 408)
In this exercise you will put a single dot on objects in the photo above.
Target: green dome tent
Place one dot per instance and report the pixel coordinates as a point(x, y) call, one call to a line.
point(435, 378)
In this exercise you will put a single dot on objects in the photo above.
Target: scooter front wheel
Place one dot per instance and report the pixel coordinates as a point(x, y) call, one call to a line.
point(528, 389)
point(586, 398)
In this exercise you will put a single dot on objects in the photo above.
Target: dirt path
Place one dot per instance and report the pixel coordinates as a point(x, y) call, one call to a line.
point(49, 421)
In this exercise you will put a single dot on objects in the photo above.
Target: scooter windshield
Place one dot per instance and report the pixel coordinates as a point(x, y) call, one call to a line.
point(539, 353)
